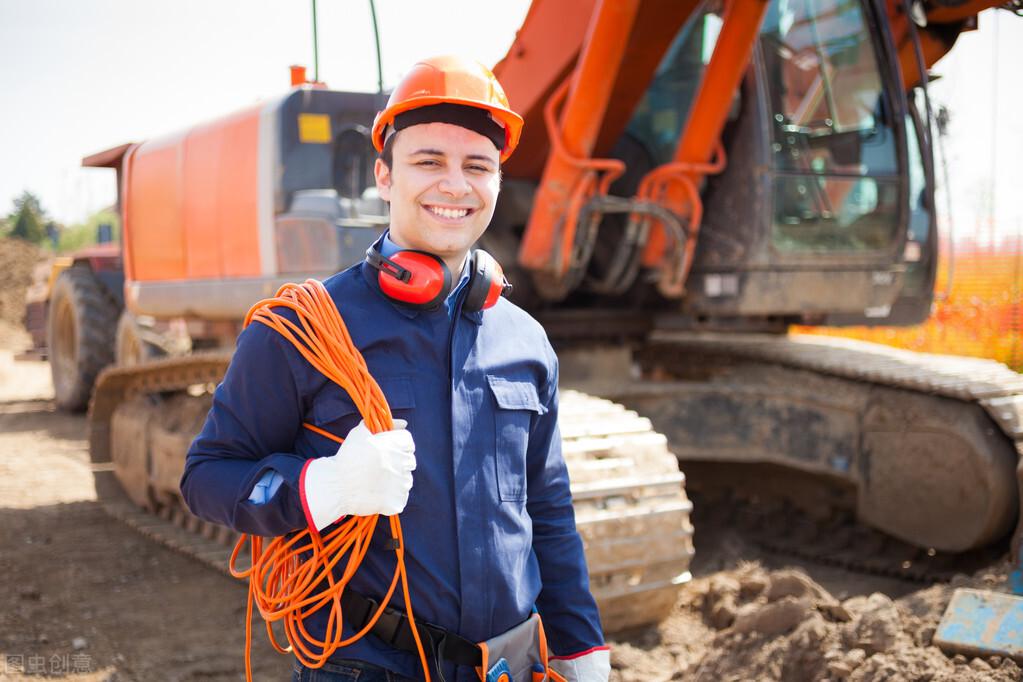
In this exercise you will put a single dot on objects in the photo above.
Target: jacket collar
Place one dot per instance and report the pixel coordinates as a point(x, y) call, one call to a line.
point(371, 275)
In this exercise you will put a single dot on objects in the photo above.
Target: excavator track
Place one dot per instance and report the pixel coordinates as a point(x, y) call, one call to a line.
point(141, 421)
point(631, 506)
point(923, 448)
point(988, 383)
point(631, 510)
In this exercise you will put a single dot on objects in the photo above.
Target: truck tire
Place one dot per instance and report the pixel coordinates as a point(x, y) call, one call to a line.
point(81, 329)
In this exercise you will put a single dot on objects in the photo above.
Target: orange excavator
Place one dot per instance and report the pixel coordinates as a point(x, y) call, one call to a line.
point(693, 179)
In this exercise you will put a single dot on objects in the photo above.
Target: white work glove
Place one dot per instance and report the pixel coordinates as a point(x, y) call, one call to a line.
point(371, 473)
point(594, 666)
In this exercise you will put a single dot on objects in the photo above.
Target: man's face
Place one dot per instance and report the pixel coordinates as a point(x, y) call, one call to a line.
point(442, 186)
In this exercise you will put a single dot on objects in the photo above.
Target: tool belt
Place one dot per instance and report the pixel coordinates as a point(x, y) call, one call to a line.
point(519, 655)
point(395, 629)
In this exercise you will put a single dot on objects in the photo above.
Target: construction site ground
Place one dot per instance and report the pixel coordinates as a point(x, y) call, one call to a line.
point(86, 598)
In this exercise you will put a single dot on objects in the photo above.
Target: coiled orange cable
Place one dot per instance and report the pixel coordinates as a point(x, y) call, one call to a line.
point(284, 585)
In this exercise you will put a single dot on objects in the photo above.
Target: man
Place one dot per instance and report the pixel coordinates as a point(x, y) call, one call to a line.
point(487, 518)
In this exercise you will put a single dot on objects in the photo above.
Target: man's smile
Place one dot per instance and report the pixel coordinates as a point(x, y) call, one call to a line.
point(449, 213)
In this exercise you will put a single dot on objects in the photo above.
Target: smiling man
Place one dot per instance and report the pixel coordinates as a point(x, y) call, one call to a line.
point(441, 181)
point(474, 467)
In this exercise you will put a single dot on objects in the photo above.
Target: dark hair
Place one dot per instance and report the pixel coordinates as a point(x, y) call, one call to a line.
point(387, 153)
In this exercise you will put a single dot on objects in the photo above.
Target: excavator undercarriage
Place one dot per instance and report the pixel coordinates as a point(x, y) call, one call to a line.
point(922, 447)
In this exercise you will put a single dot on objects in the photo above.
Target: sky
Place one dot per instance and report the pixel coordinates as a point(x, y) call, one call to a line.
point(81, 76)
point(983, 151)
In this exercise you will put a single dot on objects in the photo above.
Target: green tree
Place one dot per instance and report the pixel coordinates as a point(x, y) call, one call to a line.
point(29, 201)
point(28, 227)
point(28, 220)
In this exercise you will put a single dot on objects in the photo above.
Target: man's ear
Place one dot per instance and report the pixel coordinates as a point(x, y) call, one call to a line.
point(383, 177)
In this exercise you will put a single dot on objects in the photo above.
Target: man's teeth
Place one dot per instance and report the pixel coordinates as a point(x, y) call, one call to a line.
point(450, 212)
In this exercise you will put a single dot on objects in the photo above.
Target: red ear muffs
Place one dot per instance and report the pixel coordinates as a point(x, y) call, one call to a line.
point(416, 279)
point(486, 282)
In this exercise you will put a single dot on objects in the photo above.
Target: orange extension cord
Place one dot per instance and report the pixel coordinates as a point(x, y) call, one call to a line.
point(281, 584)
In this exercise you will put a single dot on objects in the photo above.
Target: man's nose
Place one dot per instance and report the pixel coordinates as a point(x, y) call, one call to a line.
point(454, 183)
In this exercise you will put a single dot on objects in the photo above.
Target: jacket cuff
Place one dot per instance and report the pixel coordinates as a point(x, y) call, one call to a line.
point(580, 654)
point(301, 489)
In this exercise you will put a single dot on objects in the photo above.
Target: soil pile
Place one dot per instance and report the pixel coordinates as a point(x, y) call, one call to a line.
point(750, 623)
point(18, 261)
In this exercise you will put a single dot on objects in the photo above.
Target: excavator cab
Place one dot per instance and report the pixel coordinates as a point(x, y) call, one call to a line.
point(829, 178)
point(816, 207)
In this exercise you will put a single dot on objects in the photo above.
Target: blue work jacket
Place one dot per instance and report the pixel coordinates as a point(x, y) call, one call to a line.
point(489, 528)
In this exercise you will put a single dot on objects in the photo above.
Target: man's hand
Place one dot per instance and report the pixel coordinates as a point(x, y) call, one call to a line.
point(371, 473)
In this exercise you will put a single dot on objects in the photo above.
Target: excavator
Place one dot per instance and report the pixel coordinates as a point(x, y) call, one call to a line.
point(694, 178)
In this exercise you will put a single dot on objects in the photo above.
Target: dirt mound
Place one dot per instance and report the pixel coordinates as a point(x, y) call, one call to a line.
point(750, 623)
point(18, 260)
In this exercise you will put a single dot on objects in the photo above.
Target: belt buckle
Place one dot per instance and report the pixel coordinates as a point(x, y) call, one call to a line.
point(387, 625)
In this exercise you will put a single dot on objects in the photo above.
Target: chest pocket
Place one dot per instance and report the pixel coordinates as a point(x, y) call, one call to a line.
point(517, 403)
point(335, 412)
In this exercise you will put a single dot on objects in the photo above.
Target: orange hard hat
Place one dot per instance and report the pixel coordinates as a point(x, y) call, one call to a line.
point(451, 80)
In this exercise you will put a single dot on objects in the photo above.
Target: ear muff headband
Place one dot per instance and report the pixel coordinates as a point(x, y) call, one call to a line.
point(420, 280)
